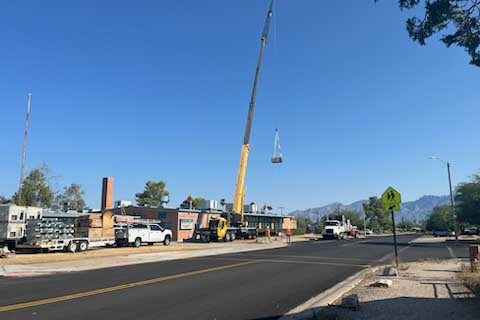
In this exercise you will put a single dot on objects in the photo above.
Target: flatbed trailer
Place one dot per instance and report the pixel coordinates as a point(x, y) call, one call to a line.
point(77, 244)
point(232, 233)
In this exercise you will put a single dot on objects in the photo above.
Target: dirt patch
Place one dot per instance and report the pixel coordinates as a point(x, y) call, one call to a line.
point(470, 279)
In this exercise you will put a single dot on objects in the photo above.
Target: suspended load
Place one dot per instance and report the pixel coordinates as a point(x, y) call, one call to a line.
point(277, 151)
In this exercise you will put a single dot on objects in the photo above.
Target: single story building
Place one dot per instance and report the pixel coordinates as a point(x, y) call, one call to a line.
point(183, 222)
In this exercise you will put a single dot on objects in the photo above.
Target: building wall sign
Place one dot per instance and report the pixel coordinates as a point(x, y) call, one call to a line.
point(186, 224)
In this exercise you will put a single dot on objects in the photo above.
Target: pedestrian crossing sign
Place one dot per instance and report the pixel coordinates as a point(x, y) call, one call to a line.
point(391, 199)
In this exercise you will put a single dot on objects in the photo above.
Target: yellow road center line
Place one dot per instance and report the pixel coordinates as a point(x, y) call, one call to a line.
point(301, 261)
point(116, 288)
point(304, 257)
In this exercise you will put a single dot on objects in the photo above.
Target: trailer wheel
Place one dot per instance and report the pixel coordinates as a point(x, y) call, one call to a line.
point(137, 243)
point(233, 237)
point(72, 246)
point(166, 242)
point(83, 246)
point(227, 237)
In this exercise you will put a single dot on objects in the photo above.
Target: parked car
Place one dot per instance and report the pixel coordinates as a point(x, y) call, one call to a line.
point(471, 231)
point(137, 233)
point(443, 233)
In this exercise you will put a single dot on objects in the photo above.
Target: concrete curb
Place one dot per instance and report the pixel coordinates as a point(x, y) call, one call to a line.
point(307, 309)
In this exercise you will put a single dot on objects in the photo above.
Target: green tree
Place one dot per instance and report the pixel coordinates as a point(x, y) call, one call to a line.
point(459, 19)
point(3, 199)
point(303, 223)
point(70, 199)
point(36, 190)
point(151, 196)
point(355, 218)
point(468, 200)
point(441, 218)
point(406, 225)
point(376, 215)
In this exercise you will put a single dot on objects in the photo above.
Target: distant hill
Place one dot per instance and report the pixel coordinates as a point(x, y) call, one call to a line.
point(411, 210)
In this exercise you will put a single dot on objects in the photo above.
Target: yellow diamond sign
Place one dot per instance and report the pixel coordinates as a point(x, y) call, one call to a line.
point(391, 199)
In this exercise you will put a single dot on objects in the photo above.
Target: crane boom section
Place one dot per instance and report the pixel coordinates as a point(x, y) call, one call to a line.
point(240, 186)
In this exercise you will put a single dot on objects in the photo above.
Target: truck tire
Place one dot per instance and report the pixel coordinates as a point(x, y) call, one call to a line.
point(227, 237)
point(83, 246)
point(72, 246)
point(166, 241)
point(233, 237)
point(137, 243)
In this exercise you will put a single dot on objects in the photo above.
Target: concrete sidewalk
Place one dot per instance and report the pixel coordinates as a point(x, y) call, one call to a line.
point(98, 262)
point(428, 290)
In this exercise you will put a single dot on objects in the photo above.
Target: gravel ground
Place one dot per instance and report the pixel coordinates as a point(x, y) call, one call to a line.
point(423, 290)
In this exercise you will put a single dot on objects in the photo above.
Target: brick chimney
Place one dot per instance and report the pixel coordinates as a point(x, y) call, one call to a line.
point(107, 193)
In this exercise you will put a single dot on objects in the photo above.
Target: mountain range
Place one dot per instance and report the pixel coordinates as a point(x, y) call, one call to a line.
point(412, 210)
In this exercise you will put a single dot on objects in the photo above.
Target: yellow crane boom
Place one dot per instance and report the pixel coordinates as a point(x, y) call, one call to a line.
point(239, 198)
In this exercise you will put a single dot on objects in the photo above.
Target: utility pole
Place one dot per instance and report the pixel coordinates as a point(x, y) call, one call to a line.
point(24, 151)
point(452, 199)
point(365, 223)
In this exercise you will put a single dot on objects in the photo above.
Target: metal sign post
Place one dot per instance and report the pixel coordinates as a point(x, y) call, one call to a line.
point(391, 200)
point(395, 239)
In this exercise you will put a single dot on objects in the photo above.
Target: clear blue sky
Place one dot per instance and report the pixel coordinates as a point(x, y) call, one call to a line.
point(143, 90)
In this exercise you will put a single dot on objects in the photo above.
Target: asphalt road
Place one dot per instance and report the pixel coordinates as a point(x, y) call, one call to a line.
point(252, 285)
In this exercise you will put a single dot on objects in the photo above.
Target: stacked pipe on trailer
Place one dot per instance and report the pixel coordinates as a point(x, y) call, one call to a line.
point(50, 229)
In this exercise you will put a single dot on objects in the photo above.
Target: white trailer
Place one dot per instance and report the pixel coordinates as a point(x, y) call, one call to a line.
point(13, 222)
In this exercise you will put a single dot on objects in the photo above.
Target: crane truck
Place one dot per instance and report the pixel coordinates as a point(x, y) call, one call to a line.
point(231, 225)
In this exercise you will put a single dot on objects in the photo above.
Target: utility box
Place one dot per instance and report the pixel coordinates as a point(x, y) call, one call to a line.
point(208, 204)
point(474, 257)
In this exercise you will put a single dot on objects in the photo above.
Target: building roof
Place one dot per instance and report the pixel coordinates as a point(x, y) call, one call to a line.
point(270, 215)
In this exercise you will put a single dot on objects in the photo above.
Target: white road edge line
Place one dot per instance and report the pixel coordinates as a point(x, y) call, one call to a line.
point(390, 255)
point(452, 254)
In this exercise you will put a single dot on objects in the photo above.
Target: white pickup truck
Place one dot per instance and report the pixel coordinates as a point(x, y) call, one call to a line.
point(137, 233)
